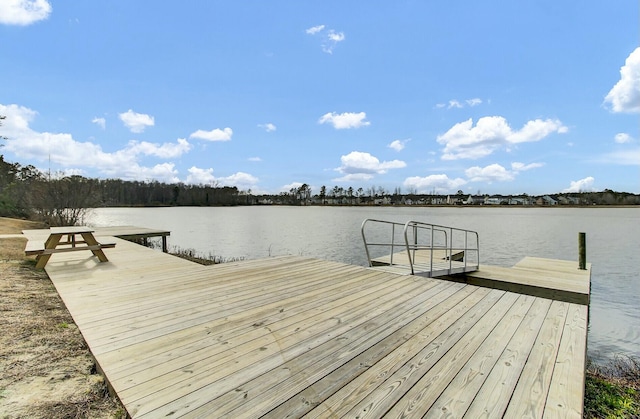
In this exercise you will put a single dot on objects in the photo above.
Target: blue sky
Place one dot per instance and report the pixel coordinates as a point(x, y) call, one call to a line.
point(427, 96)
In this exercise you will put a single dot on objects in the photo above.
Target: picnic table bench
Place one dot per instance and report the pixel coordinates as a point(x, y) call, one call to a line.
point(67, 237)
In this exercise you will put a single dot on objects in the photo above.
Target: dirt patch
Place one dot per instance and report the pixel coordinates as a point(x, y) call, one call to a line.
point(46, 369)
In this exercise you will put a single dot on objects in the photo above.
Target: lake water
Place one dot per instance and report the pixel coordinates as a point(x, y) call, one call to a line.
point(506, 236)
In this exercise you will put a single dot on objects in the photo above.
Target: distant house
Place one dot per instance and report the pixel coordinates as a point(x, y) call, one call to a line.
point(520, 200)
point(546, 201)
point(474, 200)
point(494, 200)
point(568, 200)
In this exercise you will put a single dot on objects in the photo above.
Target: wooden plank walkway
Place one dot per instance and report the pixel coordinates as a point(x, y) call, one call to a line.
point(299, 337)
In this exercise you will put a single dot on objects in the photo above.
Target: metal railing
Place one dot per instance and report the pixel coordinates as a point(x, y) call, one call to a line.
point(450, 250)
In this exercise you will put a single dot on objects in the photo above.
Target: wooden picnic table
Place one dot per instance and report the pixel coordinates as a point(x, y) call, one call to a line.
point(71, 239)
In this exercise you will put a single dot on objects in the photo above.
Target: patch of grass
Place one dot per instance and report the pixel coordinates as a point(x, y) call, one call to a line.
point(613, 390)
point(15, 226)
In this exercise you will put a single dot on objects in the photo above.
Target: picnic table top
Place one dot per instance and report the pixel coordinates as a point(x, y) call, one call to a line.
point(71, 230)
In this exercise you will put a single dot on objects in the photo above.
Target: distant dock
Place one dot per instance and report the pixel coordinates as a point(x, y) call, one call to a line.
point(294, 336)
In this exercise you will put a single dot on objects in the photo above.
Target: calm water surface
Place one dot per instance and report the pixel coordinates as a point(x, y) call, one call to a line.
point(506, 236)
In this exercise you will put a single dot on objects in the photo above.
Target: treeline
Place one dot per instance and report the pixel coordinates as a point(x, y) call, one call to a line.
point(337, 195)
point(117, 192)
point(63, 200)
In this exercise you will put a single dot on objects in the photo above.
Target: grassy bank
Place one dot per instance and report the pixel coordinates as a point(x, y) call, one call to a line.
point(612, 390)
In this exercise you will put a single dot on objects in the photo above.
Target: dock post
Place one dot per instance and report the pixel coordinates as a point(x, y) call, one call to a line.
point(582, 251)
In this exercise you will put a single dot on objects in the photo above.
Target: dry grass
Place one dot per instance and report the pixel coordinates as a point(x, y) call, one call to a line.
point(46, 369)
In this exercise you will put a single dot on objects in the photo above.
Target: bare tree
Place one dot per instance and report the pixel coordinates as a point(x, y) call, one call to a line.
point(65, 200)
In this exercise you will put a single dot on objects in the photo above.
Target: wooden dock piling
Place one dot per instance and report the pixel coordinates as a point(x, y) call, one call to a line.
point(582, 251)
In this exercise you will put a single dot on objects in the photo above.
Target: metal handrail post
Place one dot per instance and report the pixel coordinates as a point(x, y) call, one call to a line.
point(466, 247)
point(406, 244)
point(431, 258)
point(366, 245)
point(477, 249)
point(415, 240)
point(393, 239)
point(450, 250)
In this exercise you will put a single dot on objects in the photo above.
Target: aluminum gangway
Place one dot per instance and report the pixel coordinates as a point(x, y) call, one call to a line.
point(418, 248)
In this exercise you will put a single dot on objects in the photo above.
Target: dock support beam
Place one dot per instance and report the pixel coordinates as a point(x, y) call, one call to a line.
point(582, 251)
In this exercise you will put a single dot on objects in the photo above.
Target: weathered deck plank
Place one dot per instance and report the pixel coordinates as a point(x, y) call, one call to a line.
point(547, 278)
point(504, 376)
point(293, 336)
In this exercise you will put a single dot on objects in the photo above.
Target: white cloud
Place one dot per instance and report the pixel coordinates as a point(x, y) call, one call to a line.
point(330, 38)
point(454, 103)
point(345, 120)
point(101, 122)
point(582, 185)
point(287, 188)
point(464, 141)
point(136, 122)
point(474, 102)
point(268, 127)
point(213, 135)
point(255, 159)
point(61, 149)
point(23, 12)
point(198, 176)
point(336, 36)
point(536, 130)
point(163, 172)
point(18, 119)
point(625, 95)
point(440, 183)
point(521, 167)
point(166, 150)
point(492, 173)
point(358, 162)
point(623, 137)
point(315, 29)
point(498, 173)
point(363, 166)
point(240, 179)
point(398, 145)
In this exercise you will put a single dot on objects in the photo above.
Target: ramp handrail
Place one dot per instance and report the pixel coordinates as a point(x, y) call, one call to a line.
point(418, 235)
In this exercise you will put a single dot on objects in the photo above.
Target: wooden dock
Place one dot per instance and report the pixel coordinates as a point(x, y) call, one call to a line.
point(133, 233)
point(294, 336)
